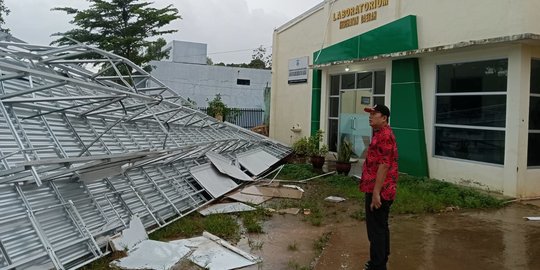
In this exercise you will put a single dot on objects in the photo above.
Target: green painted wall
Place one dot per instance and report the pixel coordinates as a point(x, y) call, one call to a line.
point(399, 35)
point(407, 118)
point(316, 101)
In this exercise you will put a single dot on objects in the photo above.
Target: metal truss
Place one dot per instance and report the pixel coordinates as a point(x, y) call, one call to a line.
point(85, 145)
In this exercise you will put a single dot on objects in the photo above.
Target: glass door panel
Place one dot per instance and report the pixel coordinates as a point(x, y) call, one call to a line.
point(353, 121)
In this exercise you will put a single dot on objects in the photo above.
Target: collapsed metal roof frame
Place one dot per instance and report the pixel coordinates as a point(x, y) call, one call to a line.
point(85, 145)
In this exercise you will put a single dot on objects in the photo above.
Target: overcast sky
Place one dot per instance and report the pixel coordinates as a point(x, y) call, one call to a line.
point(231, 28)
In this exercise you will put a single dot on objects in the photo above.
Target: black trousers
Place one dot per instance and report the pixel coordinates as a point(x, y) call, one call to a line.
point(378, 233)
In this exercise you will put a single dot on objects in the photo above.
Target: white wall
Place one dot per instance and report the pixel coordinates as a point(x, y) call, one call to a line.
point(443, 22)
point(291, 103)
point(530, 185)
point(187, 52)
point(202, 82)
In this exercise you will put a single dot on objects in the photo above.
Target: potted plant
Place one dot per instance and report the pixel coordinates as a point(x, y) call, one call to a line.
point(317, 150)
point(345, 150)
point(301, 149)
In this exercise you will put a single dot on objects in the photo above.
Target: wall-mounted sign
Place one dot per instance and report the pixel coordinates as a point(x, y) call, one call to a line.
point(358, 14)
point(365, 100)
point(298, 70)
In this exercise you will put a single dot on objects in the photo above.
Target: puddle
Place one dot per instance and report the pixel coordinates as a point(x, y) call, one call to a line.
point(287, 241)
point(493, 239)
point(490, 239)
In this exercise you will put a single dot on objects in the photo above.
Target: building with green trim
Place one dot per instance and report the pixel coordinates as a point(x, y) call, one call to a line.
point(462, 80)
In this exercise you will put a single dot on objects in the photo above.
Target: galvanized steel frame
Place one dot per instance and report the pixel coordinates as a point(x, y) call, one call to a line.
point(84, 145)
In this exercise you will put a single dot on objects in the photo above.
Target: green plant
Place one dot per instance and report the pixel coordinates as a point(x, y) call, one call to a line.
point(252, 220)
point(293, 246)
point(255, 245)
point(217, 108)
point(301, 146)
point(315, 145)
point(320, 243)
point(345, 151)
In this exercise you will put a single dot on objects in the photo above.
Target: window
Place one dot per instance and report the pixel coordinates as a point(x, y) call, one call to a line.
point(378, 88)
point(533, 155)
point(333, 112)
point(242, 82)
point(471, 110)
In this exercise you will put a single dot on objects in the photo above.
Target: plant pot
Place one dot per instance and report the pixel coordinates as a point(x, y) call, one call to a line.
point(297, 159)
point(343, 167)
point(317, 162)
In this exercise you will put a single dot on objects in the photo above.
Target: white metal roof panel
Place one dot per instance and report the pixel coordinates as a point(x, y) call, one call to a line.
point(256, 161)
point(224, 166)
point(216, 183)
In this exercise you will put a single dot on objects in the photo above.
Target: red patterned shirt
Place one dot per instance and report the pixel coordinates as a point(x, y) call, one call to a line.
point(381, 150)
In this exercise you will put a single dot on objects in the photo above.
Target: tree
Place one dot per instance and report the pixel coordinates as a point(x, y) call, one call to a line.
point(260, 58)
point(4, 11)
point(123, 27)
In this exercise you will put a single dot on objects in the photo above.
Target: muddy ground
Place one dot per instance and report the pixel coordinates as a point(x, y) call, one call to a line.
point(487, 239)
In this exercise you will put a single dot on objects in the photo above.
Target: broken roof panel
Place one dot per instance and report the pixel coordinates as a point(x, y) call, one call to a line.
point(256, 161)
point(85, 144)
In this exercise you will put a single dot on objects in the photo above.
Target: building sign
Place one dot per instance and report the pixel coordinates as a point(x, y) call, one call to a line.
point(298, 70)
point(358, 14)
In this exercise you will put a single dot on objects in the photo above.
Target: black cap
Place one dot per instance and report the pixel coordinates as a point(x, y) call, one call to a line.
point(378, 108)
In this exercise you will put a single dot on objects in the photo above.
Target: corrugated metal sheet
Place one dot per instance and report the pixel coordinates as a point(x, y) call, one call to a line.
point(84, 145)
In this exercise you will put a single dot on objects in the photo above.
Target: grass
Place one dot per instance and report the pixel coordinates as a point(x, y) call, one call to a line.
point(224, 226)
point(321, 242)
point(252, 220)
point(294, 265)
point(415, 195)
point(421, 195)
point(103, 263)
point(292, 247)
point(255, 245)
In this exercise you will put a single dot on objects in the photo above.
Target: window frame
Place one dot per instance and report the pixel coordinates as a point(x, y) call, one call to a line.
point(471, 127)
point(531, 131)
point(340, 89)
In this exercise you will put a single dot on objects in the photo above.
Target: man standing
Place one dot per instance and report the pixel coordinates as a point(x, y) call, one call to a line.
point(379, 179)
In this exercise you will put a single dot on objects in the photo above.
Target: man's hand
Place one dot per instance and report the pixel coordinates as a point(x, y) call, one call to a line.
point(375, 201)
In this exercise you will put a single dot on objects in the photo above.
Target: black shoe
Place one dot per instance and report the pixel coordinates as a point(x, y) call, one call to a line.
point(366, 265)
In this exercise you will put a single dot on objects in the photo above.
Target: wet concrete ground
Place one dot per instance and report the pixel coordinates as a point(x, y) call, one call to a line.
point(487, 239)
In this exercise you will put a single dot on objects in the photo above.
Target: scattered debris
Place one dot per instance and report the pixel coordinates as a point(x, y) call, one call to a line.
point(130, 237)
point(532, 218)
point(335, 199)
point(212, 252)
point(256, 161)
point(212, 180)
point(224, 165)
point(225, 208)
point(281, 192)
point(151, 254)
point(248, 198)
point(292, 211)
point(207, 251)
point(307, 212)
point(294, 186)
point(451, 208)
